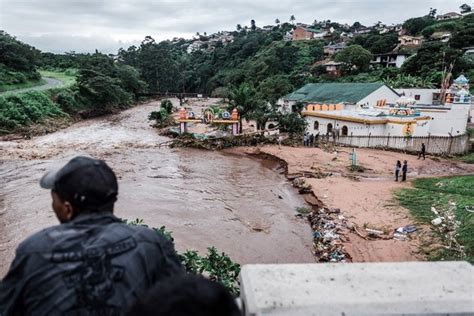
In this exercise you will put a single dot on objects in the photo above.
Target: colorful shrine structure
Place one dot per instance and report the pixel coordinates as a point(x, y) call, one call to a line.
point(208, 117)
point(459, 91)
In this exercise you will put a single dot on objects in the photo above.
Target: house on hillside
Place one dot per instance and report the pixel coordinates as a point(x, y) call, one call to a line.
point(349, 95)
point(301, 33)
point(448, 16)
point(333, 68)
point(333, 49)
point(392, 59)
point(406, 40)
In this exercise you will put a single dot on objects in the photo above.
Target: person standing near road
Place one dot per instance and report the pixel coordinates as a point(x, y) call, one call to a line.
point(404, 170)
point(422, 152)
point(398, 166)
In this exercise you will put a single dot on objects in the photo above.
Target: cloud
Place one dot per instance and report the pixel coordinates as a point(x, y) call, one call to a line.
point(84, 25)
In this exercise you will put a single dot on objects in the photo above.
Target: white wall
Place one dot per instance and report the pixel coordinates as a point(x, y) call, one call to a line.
point(357, 129)
point(452, 121)
point(426, 95)
point(383, 92)
point(400, 60)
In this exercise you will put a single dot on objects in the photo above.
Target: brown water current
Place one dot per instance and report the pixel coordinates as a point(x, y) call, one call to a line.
point(237, 204)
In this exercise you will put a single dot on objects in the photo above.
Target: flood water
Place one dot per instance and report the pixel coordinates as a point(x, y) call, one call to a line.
point(237, 204)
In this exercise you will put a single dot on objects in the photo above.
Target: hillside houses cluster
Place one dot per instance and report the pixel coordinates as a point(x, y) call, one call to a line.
point(210, 42)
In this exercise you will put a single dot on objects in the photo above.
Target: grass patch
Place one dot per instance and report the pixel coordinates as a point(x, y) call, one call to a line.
point(302, 210)
point(467, 158)
point(28, 84)
point(438, 192)
point(67, 77)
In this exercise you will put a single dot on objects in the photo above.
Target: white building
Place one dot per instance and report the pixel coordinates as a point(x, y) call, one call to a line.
point(393, 59)
point(351, 95)
point(421, 96)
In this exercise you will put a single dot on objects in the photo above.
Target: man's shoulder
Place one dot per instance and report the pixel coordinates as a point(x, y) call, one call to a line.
point(38, 241)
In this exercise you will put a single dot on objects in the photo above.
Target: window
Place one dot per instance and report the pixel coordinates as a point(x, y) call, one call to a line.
point(316, 125)
point(345, 130)
point(417, 97)
point(329, 130)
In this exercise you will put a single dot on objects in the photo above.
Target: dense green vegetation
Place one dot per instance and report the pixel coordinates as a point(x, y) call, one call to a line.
point(17, 110)
point(216, 266)
point(438, 192)
point(93, 84)
point(18, 63)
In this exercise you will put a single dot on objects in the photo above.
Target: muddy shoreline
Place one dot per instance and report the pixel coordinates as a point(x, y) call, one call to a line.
point(363, 202)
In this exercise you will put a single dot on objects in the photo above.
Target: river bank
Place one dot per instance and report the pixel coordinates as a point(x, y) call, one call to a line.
point(364, 199)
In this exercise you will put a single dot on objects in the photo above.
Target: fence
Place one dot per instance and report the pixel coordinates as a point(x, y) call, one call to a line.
point(439, 145)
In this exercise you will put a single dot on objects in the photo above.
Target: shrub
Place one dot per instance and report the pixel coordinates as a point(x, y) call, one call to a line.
point(216, 266)
point(17, 110)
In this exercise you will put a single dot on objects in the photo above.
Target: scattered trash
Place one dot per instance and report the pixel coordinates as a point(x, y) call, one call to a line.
point(374, 232)
point(399, 236)
point(437, 221)
point(406, 229)
point(447, 225)
point(328, 227)
point(302, 185)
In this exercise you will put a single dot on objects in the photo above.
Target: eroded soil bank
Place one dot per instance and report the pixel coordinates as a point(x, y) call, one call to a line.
point(364, 198)
point(242, 206)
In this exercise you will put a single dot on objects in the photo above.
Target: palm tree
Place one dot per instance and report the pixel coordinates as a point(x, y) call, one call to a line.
point(239, 27)
point(292, 19)
point(277, 21)
point(243, 98)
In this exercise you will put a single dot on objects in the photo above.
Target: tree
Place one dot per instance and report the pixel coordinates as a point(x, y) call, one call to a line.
point(292, 123)
point(432, 57)
point(465, 8)
point(239, 27)
point(292, 19)
point(244, 99)
point(432, 13)
point(354, 56)
point(416, 25)
point(252, 25)
point(277, 21)
point(273, 88)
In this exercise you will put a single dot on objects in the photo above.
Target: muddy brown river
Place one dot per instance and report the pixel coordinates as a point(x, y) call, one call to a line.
point(240, 205)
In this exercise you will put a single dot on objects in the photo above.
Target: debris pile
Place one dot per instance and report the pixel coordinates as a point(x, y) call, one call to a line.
point(447, 226)
point(302, 186)
point(329, 227)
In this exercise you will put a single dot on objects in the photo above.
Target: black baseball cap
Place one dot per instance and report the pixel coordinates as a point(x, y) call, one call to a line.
point(85, 182)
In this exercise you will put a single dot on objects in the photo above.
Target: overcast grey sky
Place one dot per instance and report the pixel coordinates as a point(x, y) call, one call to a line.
point(85, 25)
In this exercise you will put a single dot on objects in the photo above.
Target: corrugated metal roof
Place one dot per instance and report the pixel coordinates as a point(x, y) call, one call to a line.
point(334, 92)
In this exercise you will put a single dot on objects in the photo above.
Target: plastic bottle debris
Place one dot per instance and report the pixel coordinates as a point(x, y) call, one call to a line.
point(406, 229)
point(437, 221)
point(374, 232)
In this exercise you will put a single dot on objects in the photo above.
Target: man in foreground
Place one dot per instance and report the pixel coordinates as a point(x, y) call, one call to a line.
point(91, 264)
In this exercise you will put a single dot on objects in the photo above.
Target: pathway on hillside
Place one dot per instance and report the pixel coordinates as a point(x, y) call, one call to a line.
point(50, 83)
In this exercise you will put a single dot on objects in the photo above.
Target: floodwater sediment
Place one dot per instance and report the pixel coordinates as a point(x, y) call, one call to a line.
point(242, 206)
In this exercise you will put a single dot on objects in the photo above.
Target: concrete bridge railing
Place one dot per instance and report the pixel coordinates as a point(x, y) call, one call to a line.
point(408, 288)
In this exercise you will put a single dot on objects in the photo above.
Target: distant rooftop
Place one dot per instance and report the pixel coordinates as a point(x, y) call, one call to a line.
point(334, 92)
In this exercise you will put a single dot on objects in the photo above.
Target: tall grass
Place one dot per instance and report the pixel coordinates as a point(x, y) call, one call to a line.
point(438, 192)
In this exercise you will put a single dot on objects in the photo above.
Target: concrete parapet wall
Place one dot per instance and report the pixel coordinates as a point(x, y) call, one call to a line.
point(406, 288)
